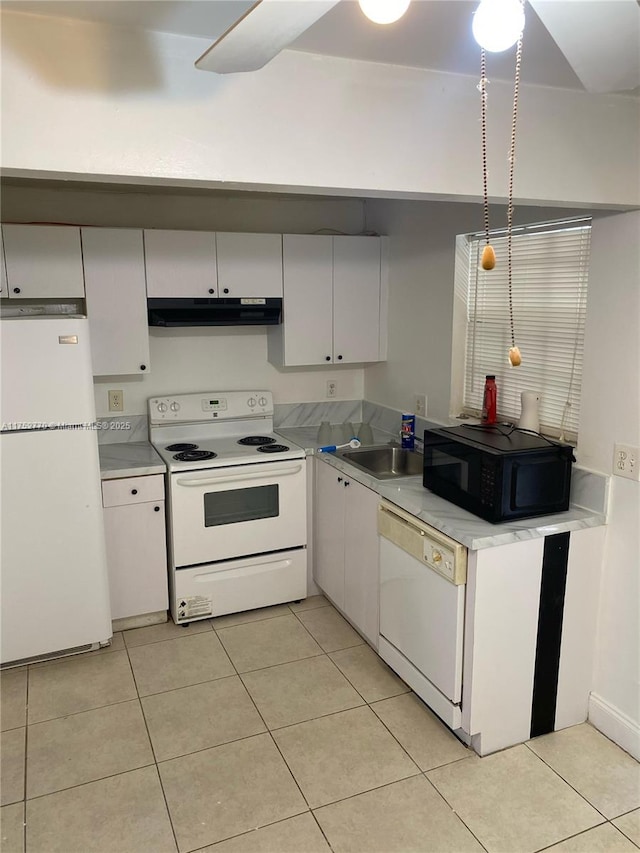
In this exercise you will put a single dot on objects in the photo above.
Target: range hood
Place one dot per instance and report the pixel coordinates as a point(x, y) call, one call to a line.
point(214, 312)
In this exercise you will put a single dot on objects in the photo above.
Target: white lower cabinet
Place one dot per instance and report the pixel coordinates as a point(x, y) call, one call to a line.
point(136, 545)
point(346, 547)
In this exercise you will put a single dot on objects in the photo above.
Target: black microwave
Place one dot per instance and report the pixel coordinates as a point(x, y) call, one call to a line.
point(497, 472)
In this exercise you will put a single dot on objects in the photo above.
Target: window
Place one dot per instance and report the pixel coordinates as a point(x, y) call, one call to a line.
point(549, 285)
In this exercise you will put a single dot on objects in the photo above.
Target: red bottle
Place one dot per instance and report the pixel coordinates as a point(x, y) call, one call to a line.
point(490, 400)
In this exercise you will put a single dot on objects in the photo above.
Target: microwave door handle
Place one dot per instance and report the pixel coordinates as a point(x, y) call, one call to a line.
point(236, 478)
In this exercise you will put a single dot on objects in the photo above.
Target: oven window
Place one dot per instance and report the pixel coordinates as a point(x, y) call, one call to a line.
point(237, 505)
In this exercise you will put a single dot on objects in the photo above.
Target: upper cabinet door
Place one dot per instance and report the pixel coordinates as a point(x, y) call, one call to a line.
point(43, 261)
point(249, 265)
point(308, 299)
point(3, 269)
point(356, 299)
point(116, 300)
point(180, 264)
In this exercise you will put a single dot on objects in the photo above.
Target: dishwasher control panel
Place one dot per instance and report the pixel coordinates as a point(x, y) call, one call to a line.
point(439, 557)
point(434, 549)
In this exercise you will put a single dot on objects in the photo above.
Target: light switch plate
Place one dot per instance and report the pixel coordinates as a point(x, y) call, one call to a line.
point(625, 461)
point(420, 405)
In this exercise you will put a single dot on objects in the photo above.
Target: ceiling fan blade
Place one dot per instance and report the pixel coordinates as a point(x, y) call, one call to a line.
point(264, 30)
point(600, 40)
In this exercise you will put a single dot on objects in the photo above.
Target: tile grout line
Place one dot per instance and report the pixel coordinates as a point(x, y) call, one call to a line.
point(90, 782)
point(575, 835)
point(153, 753)
point(453, 811)
point(26, 744)
point(560, 776)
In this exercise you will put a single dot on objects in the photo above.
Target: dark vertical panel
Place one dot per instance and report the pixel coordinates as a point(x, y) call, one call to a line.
point(552, 589)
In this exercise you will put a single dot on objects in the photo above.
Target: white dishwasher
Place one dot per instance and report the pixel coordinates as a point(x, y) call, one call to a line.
point(422, 595)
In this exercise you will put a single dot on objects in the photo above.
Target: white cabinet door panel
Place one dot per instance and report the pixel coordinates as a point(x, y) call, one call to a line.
point(308, 299)
point(43, 261)
point(116, 300)
point(356, 299)
point(361, 560)
point(180, 264)
point(329, 532)
point(249, 265)
point(3, 269)
point(137, 559)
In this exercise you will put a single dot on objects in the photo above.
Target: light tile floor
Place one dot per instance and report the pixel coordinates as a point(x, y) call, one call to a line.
point(280, 731)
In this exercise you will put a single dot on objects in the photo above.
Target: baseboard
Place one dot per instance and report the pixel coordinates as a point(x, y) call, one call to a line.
point(615, 725)
point(140, 621)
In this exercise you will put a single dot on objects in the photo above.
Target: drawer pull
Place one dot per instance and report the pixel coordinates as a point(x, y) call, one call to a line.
point(156, 509)
point(134, 491)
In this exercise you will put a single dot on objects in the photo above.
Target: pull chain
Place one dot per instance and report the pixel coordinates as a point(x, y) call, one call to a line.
point(488, 261)
point(514, 353)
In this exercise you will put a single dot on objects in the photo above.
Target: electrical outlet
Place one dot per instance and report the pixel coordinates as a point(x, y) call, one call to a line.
point(420, 405)
point(625, 461)
point(116, 401)
point(332, 388)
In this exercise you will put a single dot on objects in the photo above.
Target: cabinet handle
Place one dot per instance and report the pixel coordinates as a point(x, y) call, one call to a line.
point(346, 483)
point(339, 479)
point(134, 491)
point(211, 290)
point(16, 290)
point(339, 358)
point(156, 509)
point(327, 358)
point(143, 367)
point(226, 290)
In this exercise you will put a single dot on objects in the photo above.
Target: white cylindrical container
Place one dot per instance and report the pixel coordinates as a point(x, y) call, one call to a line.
point(530, 411)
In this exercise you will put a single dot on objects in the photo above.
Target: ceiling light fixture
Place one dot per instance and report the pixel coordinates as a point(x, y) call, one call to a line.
point(497, 24)
point(384, 11)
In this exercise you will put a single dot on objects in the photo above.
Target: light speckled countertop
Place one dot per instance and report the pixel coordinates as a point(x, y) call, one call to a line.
point(129, 459)
point(409, 494)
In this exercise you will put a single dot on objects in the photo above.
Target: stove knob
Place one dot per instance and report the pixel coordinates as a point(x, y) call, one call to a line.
point(262, 402)
point(162, 407)
point(251, 402)
point(175, 407)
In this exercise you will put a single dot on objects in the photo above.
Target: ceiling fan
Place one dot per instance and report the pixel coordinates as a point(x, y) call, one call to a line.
point(599, 38)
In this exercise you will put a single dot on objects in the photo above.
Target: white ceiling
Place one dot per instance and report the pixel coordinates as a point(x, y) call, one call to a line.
point(433, 34)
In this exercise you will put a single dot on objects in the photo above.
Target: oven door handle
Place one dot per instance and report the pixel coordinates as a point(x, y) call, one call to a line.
point(236, 478)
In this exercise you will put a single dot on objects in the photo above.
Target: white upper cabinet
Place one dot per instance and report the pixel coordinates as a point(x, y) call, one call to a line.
point(43, 261)
point(3, 269)
point(116, 300)
point(249, 265)
point(307, 334)
point(335, 301)
point(356, 299)
point(181, 264)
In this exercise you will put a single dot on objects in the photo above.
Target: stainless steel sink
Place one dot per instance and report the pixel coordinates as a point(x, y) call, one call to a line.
point(385, 462)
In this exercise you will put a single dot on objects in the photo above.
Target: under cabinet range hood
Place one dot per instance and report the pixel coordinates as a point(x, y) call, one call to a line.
point(214, 312)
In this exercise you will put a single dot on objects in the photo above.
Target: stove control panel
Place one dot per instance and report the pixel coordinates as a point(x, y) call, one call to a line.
point(213, 405)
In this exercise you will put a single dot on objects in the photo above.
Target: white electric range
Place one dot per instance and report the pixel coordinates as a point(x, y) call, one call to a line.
point(236, 503)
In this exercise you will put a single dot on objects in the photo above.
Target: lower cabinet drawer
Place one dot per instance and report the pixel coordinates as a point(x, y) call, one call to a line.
point(133, 490)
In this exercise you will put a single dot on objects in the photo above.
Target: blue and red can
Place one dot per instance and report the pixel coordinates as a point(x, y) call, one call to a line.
point(408, 430)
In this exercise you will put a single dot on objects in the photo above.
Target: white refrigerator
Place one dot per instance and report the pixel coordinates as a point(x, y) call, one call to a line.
point(54, 594)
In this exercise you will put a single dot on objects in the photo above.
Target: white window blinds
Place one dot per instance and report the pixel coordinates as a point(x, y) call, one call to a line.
point(549, 285)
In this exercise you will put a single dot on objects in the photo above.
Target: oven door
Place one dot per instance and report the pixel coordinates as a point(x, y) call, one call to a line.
point(237, 511)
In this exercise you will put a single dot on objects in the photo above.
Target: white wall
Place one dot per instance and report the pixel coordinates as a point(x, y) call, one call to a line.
point(184, 360)
point(92, 101)
point(610, 412)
